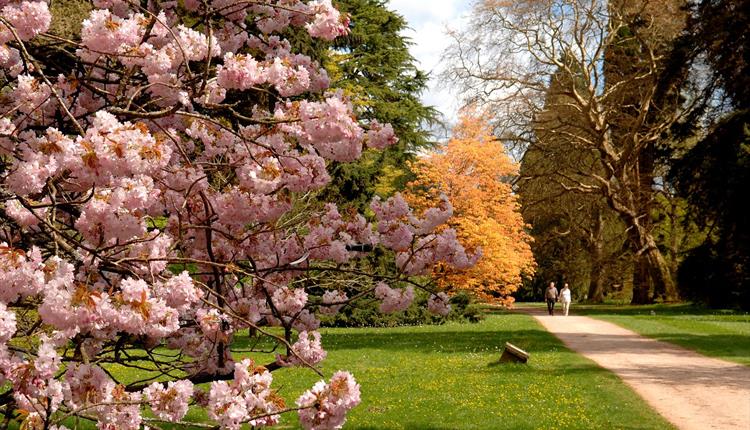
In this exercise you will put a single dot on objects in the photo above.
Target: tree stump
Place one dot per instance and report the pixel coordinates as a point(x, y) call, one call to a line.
point(513, 354)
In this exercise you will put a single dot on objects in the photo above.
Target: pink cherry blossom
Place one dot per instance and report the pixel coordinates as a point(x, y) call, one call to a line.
point(328, 23)
point(10, 60)
point(179, 292)
point(248, 396)
point(21, 273)
point(307, 350)
point(29, 18)
point(105, 33)
point(333, 302)
point(289, 301)
point(171, 402)
point(240, 72)
point(325, 405)
point(48, 360)
point(329, 127)
point(7, 324)
point(394, 299)
point(438, 304)
point(380, 136)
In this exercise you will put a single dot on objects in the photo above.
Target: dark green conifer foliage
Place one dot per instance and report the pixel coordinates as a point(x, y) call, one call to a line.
point(373, 65)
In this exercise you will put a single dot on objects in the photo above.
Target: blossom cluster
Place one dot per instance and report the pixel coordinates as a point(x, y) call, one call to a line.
point(326, 405)
point(248, 398)
point(420, 243)
point(394, 299)
point(27, 19)
point(169, 403)
point(333, 301)
point(438, 304)
point(307, 350)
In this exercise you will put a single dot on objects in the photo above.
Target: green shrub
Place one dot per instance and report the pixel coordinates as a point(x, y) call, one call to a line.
point(366, 314)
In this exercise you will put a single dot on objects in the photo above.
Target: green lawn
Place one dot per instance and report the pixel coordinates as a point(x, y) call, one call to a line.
point(446, 377)
point(442, 377)
point(722, 334)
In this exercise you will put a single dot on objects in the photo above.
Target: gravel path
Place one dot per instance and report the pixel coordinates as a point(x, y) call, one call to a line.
point(690, 390)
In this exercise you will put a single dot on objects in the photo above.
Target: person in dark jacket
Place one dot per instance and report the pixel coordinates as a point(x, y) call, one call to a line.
point(550, 294)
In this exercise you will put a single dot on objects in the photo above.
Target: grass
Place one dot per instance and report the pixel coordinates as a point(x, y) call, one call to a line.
point(718, 333)
point(446, 377)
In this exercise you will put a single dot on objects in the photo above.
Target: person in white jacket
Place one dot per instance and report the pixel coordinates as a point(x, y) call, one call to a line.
point(565, 299)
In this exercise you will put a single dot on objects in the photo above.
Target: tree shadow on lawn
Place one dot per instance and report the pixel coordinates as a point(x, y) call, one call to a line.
point(500, 425)
point(443, 341)
point(406, 426)
point(728, 347)
point(530, 340)
point(682, 309)
point(503, 425)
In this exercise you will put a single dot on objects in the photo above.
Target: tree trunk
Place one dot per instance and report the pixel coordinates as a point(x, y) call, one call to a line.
point(641, 284)
point(596, 280)
point(650, 263)
point(636, 109)
point(661, 275)
point(675, 239)
point(596, 285)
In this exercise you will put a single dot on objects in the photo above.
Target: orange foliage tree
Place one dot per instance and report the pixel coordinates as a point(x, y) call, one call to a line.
point(474, 172)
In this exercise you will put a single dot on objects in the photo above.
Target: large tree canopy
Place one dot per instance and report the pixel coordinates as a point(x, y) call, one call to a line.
point(577, 237)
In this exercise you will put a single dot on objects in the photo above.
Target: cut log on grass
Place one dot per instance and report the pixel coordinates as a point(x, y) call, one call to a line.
point(513, 354)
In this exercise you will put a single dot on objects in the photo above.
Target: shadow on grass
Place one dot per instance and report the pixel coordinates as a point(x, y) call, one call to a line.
point(454, 338)
point(528, 340)
point(487, 425)
point(405, 427)
point(725, 346)
point(660, 309)
point(680, 309)
point(441, 341)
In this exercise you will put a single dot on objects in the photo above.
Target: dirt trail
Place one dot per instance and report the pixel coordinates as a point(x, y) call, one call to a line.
point(690, 390)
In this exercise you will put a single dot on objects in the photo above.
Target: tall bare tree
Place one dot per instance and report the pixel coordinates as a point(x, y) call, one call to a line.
point(612, 55)
point(576, 235)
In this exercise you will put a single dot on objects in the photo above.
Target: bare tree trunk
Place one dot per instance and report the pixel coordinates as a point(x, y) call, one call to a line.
point(641, 284)
point(651, 269)
point(661, 275)
point(674, 241)
point(596, 280)
point(615, 110)
point(596, 284)
point(640, 111)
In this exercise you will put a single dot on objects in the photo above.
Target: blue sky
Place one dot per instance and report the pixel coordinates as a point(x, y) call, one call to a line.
point(429, 20)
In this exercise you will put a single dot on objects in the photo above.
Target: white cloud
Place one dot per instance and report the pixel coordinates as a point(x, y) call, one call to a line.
point(428, 21)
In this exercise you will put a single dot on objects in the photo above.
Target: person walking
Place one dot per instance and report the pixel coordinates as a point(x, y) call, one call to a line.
point(550, 294)
point(565, 298)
